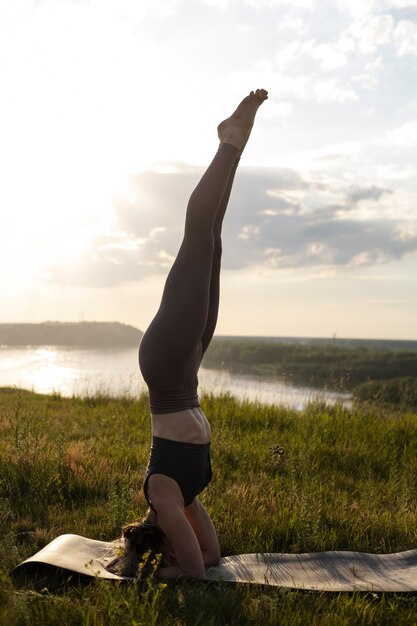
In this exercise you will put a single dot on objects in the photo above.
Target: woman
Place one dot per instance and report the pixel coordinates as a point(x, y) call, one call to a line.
point(171, 350)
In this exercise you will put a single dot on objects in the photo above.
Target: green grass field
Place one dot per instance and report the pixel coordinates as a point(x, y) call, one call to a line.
point(284, 481)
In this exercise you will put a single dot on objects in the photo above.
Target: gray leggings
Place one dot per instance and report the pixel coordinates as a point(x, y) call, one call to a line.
point(173, 346)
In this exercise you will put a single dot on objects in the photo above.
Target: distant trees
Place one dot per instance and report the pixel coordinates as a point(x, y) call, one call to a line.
point(397, 391)
point(324, 365)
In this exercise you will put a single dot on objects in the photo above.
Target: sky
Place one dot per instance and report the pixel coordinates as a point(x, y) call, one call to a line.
point(108, 118)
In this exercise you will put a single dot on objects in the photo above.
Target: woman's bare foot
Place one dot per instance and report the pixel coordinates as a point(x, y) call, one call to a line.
point(236, 128)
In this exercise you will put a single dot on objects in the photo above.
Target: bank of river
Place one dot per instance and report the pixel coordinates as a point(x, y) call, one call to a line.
point(70, 371)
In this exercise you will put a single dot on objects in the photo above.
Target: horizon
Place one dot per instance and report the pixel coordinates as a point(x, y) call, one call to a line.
point(224, 336)
point(104, 140)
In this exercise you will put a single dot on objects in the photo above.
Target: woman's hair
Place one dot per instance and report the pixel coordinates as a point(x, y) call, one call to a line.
point(142, 542)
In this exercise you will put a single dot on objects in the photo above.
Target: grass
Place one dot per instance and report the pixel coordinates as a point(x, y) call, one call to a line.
point(325, 478)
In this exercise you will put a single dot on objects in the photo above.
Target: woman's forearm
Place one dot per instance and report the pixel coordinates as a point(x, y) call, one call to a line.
point(179, 532)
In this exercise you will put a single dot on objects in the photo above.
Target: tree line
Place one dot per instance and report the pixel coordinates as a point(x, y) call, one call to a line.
point(333, 367)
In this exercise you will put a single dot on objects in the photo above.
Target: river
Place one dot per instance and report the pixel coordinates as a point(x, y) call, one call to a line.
point(74, 372)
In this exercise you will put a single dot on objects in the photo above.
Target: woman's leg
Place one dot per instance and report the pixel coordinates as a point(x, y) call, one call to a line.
point(172, 348)
point(216, 263)
point(235, 130)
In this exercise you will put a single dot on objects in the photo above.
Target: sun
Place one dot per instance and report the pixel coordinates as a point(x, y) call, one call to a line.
point(84, 108)
point(68, 132)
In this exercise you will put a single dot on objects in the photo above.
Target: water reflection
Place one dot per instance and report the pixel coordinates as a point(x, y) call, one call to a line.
point(267, 392)
point(115, 372)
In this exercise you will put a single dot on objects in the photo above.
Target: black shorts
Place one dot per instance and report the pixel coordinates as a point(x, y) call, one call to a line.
point(186, 463)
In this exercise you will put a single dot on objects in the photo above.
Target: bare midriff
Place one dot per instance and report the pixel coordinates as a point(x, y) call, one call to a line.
point(188, 425)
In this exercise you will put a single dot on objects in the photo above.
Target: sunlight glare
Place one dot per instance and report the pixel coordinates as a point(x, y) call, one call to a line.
point(73, 126)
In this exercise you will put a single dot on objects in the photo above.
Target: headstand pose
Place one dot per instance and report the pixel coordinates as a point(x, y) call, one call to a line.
point(171, 350)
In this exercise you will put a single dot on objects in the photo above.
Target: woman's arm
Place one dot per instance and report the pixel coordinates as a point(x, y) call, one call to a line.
point(167, 500)
point(204, 531)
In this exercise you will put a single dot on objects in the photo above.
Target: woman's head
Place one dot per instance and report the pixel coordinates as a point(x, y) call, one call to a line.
point(144, 537)
point(140, 538)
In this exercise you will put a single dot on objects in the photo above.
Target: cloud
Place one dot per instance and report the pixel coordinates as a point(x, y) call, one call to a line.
point(402, 4)
point(137, 11)
point(277, 219)
point(328, 235)
point(406, 38)
point(334, 67)
point(357, 194)
point(371, 32)
point(333, 90)
point(260, 5)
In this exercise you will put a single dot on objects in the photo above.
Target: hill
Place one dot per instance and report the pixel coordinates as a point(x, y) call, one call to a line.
point(83, 334)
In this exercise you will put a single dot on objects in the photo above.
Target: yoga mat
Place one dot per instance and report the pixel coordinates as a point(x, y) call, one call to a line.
point(318, 571)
